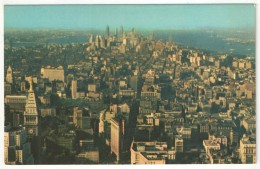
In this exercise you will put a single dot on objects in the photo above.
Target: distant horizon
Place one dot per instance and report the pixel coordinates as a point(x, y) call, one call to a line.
point(140, 17)
point(129, 29)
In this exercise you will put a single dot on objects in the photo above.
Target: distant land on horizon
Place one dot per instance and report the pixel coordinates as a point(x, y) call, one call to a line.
point(221, 41)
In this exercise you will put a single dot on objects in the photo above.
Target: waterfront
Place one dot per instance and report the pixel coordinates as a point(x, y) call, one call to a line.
point(199, 39)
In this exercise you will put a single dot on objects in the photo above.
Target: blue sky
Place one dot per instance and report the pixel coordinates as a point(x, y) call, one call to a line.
point(138, 16)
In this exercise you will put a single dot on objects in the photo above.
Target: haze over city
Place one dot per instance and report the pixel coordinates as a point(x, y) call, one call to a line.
point(139, 16)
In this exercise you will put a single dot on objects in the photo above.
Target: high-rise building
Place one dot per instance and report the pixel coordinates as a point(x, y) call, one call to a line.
point(74, 89)
point(247, 150)
point(101, 124)
point(117, 134)
point(124, 39)
point(16, 119)
point(91, 38)
point(151, 153)
point(81, 119)
point(9, 75)
point(134, 82)
point(17, 150)
point(97, 42)
point(9, 141)
point(121, 31)
point(77, 116)
point(16, 103)
point(107, 32)
point(116, 32)
point(31, 113)
point(178, 143)
point(102, 41)
point(52, 73)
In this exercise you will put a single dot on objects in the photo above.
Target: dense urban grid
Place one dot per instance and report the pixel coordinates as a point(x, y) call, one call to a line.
point(122, 97)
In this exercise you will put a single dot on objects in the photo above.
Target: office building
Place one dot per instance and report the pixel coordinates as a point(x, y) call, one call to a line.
point(178, 143)
point(16, 103)
point(247, 150)
point(74, 88)
point(117, 136)
point(31, 113)
point(107, 32)
point(52, 73)
point(17, 150)
point(151, 153)
point(81, 118)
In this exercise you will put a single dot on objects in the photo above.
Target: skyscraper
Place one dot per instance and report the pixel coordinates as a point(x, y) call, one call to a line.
point(133, 82)
point(116, 32)
point(81, 119)
point(107, 32)
point(77, 117)
point(102, 41)
point(31, 113)
point(121, 31)
point(74, 89)
point(117, 134)
point(97, 42)
point(101, 123)
point(247, 151)
point(17, 150)
point(91, 38)
point(178, 143)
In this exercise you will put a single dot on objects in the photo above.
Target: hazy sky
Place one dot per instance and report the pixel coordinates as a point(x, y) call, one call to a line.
point(138, 16)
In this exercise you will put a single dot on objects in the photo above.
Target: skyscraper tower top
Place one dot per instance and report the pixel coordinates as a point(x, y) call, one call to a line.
point(31, 85)
point(116, 32)
point(121, 30)
point(107, 32)
point(91, 38)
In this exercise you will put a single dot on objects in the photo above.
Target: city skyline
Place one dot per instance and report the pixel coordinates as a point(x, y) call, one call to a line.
point(129, 84)
point(239, 16)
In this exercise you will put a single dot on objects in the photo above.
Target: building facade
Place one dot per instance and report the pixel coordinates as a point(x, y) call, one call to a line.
point(151, 153)
point(17, 150)
point(31, 114)
point(247, 150)
point(52, 73)
point(117, 134)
